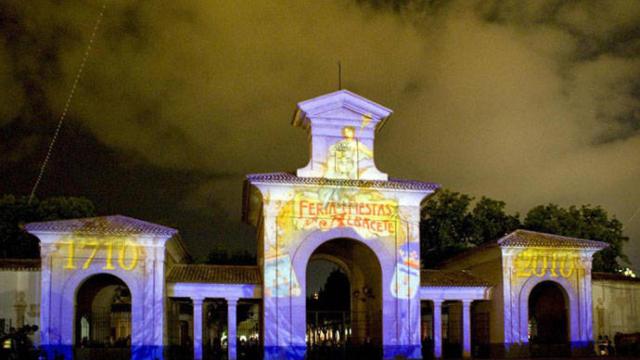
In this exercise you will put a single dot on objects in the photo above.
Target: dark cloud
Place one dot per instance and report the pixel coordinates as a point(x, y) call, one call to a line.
point(529, 102)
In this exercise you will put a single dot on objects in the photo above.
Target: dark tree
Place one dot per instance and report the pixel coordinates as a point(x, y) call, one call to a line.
point(489, 221)
point(449, 225)
point(586, 222)
point(16, 211)
point(445, 225)
point(221, 256)
point(335, 295)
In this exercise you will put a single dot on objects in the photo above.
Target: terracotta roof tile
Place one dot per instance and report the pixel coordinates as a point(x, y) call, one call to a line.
point(526, 238)
point(287, 178)
point(111, 225)
point(20, 264)
point(453, 278)
point(220, 274)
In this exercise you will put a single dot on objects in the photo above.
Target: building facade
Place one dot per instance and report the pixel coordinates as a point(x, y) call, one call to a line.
point(127, 284)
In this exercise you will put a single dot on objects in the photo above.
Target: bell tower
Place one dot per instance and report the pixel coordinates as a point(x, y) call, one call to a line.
point(341, 127)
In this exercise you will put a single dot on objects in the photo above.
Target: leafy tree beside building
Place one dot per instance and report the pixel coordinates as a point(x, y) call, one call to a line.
point(450, 225)
point(16, 211)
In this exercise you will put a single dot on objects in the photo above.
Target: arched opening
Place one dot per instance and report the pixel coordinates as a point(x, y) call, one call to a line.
point(103, 318)
point(548, 329)
point(344, 301)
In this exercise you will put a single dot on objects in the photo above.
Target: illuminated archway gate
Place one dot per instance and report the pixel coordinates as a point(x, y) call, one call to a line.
point(339, 194)
point(548, 325)
point(74, 250)
point(529, 259)
point(355, 331)
point(103, 318)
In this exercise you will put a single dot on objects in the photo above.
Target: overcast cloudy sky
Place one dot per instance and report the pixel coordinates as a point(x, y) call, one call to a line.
point(527, 102)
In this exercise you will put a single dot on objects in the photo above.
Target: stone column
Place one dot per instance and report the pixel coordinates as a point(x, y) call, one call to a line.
point(588, 302)
point(466, 328)
point(45, 296)
point(197, 328)
point(437, 329)
point(160, 335)
point(232, 310)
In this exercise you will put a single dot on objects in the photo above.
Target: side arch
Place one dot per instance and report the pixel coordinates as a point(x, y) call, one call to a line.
point(571, 298)
point(68, 304)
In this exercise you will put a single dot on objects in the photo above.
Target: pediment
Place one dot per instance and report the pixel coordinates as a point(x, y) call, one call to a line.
point(340, 105)
point(103, 225)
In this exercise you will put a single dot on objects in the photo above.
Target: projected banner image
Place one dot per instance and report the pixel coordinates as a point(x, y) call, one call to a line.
point(368, 212)
point(348, 158)
point(406, 278)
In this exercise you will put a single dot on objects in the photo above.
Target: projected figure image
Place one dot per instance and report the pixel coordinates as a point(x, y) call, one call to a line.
point(406, 278)
point(344, 157)
point(279, 278)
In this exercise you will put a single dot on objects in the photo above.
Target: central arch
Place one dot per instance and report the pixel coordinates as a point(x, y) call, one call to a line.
point(394, 313)
point(355, 326)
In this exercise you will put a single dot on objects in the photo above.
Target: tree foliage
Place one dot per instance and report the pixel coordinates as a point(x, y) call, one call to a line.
point(16, 211)
point(335, 295)
point(452, 222)
point(586, 222)
point(221, 256)
point(489, 221)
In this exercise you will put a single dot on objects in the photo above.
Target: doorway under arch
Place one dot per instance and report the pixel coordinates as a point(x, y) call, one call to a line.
point(344, 300)
point(103, 318)
point(548, 319)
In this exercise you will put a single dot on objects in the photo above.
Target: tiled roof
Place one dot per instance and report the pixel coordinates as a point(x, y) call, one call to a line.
point(20, 264)
point(613, 277)
point(526, 238)
point(466, 253)
point(111, 225)
point(216, 274)
point(453, 278)
point(396, 184)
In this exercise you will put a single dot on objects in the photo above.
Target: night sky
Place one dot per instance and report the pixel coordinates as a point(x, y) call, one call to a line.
point(526, 102)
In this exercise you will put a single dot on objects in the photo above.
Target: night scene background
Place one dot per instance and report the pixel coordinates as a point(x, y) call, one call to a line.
point(527, 102)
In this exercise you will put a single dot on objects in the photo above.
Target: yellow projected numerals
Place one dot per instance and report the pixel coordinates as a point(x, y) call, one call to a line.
point(108, 263)
point(121, 257)
point(531, 263)
point(90, 244)
point(94, 245)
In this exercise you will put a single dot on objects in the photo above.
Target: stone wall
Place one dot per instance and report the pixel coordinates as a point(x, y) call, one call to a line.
point(20, 299)
point(616, 307)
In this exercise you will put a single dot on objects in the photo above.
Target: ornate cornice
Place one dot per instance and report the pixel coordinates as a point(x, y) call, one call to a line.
point(392, 184)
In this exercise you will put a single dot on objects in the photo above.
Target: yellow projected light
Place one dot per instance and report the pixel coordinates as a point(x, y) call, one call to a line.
point(366, 211)
point(81, 253)
point(539, 262)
